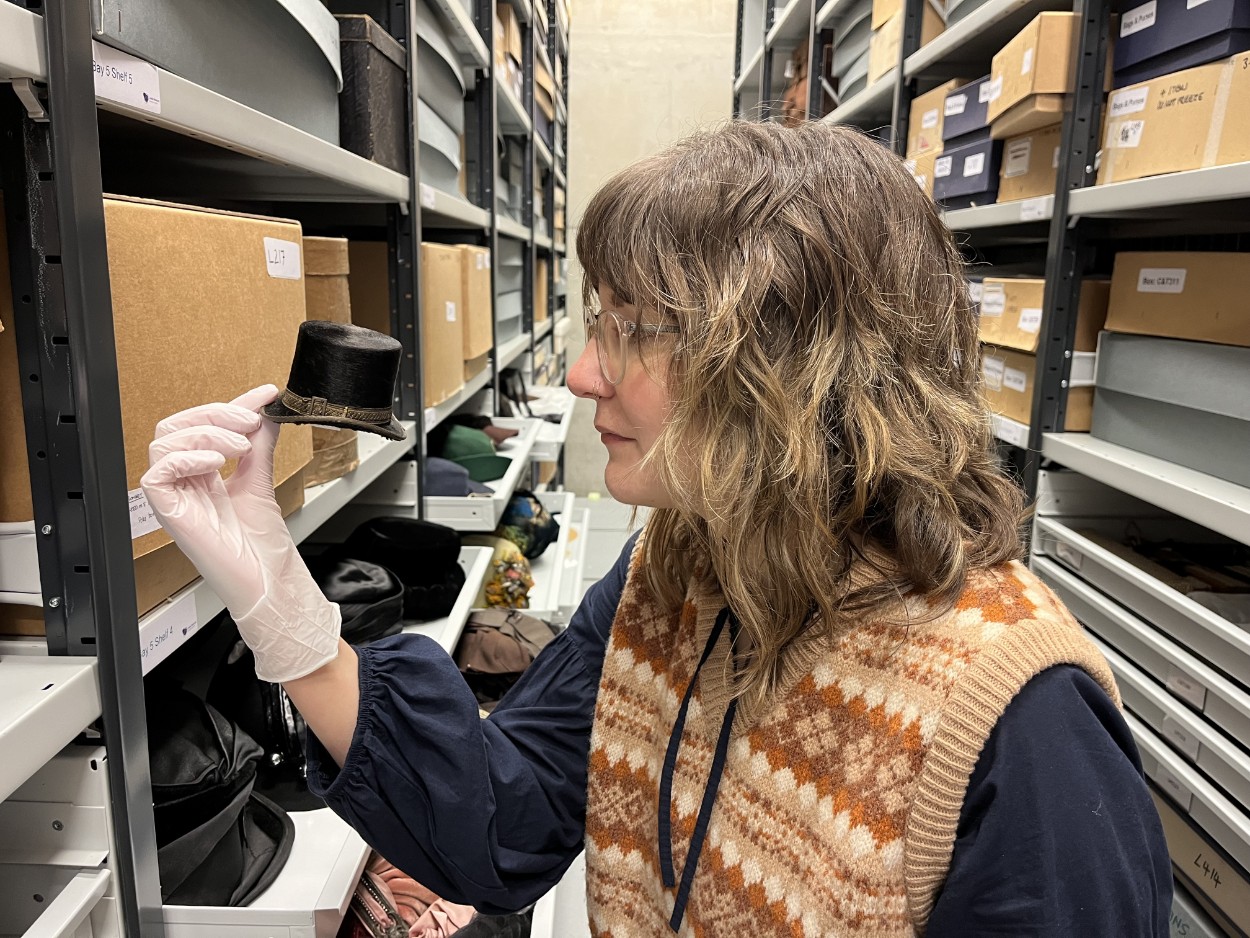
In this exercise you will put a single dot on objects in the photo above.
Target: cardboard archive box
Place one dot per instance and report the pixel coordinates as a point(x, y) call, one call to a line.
point(965, 112)
point(206, 306)
point(442, 322)
point(924, 129)
point(328, 296)
point(1197, 295)
point(1009, 377)
point(1011, 313)
point(1030, 164)
point(885, 45)
point(967, 174)
point(921, 169)
point(1187, 120)
point(541, 275)
point(478, 309)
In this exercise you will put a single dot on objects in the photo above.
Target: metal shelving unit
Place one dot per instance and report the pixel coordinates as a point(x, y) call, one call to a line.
point(57, 140)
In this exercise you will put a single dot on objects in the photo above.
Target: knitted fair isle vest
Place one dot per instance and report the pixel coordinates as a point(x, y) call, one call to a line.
point(839, 803)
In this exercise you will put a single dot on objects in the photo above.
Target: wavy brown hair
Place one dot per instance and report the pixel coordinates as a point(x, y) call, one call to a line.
point(828, 430)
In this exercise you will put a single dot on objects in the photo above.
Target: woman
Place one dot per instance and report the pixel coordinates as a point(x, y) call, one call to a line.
point(819, 695)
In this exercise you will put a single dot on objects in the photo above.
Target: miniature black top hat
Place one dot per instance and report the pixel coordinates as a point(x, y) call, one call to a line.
point(342, 376)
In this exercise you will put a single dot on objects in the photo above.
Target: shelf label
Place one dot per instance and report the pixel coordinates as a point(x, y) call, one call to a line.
point(1128, 102)
point(1175, 787)
point(430, 419)
point(451, 311)
point(1035, 209)
point(1181, 738)
point(992, 370)
point(1125, 135)
point(173, 625)
point(1015, 380)
point(1030, 320)
point(1009, 431)
point(125, 79)
point(1186, 688)
point(1137, 19)
point(974, 165)
point(1018, 155)
point(993, 300)
point(955, 104)
point(142, 517)
point(929, 119)
point(282, 259)
point(1069, 555)
point(1026, 63)
point(1161, 280)
point(942, 168)
point(426, 194)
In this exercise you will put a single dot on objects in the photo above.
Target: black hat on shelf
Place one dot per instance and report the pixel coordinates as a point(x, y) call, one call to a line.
point(342, 376)
point(425, 557)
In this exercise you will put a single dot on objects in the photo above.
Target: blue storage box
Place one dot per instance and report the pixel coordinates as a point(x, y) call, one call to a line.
point(967, 174)
point(1164, 36)
point(966, 112)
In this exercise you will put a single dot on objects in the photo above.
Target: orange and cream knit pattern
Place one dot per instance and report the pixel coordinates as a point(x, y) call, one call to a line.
point(838, 806)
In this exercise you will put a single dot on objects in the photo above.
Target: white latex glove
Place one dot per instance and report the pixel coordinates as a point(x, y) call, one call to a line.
point(234, 533)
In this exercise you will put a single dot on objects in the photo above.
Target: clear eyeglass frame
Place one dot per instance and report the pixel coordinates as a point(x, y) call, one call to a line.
point(613, 340)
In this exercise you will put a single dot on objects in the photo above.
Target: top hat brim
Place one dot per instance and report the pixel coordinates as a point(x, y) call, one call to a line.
point(280, 413)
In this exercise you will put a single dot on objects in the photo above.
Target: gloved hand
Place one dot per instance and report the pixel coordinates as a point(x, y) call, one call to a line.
point(234, 533)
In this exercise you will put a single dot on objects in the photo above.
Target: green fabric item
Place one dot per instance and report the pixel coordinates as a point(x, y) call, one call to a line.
point(474, 450)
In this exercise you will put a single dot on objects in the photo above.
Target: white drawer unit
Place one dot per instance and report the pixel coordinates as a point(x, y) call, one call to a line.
point(550, 569)
point(446, 631)
point(1224, 703)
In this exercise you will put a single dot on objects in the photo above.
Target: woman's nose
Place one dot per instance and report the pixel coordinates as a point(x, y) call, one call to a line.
point(586, 377)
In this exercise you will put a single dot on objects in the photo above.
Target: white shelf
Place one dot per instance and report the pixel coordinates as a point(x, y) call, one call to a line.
point(548, 569)
point(869, 106)
point(540, 50)
point(751, 72)
point(447, 631)
point(1011, 431)
point(441, 209)
point(831, 11)
point(463, 34)
point(543, 328)
point(511, 351)
point(543, 242)
point(575, 561)
point(1175, 190)
point(524, 10)
point(544, 151)
point(552, 436)
point(167, 627)
point(512, 117)
point(975, 40)
point(481, 513)
point(435, 415)
point(560, 178)
point(512, 229)
point(1020, 212)
point(307, 900)
point(790, 24)
point(44, 703)
point(1213, 503)
point(21, 44)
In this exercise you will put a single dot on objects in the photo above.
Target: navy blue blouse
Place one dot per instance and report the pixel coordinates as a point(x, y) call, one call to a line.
point(1057, 837)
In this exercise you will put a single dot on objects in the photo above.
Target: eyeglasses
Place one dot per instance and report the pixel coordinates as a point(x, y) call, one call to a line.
point(613, 332)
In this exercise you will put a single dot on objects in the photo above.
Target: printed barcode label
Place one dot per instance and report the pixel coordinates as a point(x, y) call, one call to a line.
point(929, 119)
point(1018, 154)
point(1181, 738)
point(1015, 380)
point(1030, 320)
point(426, 195)
point(1137, 19)
point(125, 79)
point(1128, 102)
point(994, 301)
point(1126, 135)
point(451, 311)
point(1186, 688)
point(1161, 280)
point(974, 165)
point(992, 370)
point(1026, 63)
point(942, 168)
point(282, 259)
point(955, 104)
point(143, 519)
point(1177, 789)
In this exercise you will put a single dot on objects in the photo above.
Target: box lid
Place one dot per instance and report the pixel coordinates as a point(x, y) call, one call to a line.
point(1160, 26)
point(325, 257)
point(1199, 375)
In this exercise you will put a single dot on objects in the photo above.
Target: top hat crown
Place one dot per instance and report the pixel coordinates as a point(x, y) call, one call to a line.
point(342, 376)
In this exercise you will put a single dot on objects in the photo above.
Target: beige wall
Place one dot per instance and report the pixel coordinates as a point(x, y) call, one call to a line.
point(642, 73)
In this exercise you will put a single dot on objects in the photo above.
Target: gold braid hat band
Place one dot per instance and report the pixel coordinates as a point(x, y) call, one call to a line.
point(320, 407)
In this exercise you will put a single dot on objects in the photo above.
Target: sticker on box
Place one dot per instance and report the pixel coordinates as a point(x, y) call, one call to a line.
point(1125, 135)
point(451, 311)
point(1026, 62)
point(955, 104)
point(1030, 320)
point(975, 291)
point(1018, 154)
point(1137, 19)
point(929, 119)
point(996, 89)
point(1161, 280)
point(1054, 160)
point(481, 261)
point(1190, 4)
point(942, 168)
point(143, 519)
point(1015, 380)
point(1128, 102)
point(992, 370)
point(282, 259)
point(983, 93)
point(974, 165)
point(993, 301)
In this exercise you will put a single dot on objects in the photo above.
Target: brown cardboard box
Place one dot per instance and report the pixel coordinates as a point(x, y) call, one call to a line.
point(369, 283)
point(478, 309)
point(1030, 164)
point(544, 90)
point(1033, 113)
point(1037, 61)
point(328, 296)
point(476, 366)
point(921, 169)
point(508, 38)
point(883, 48)
point(1009, 377)
point(1182, 295)
point(211, 314)
point(542, 272)
point(924, 129)
point(1183, 121)
point(885, 10)
point(1011, 313)
point(442, 322)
